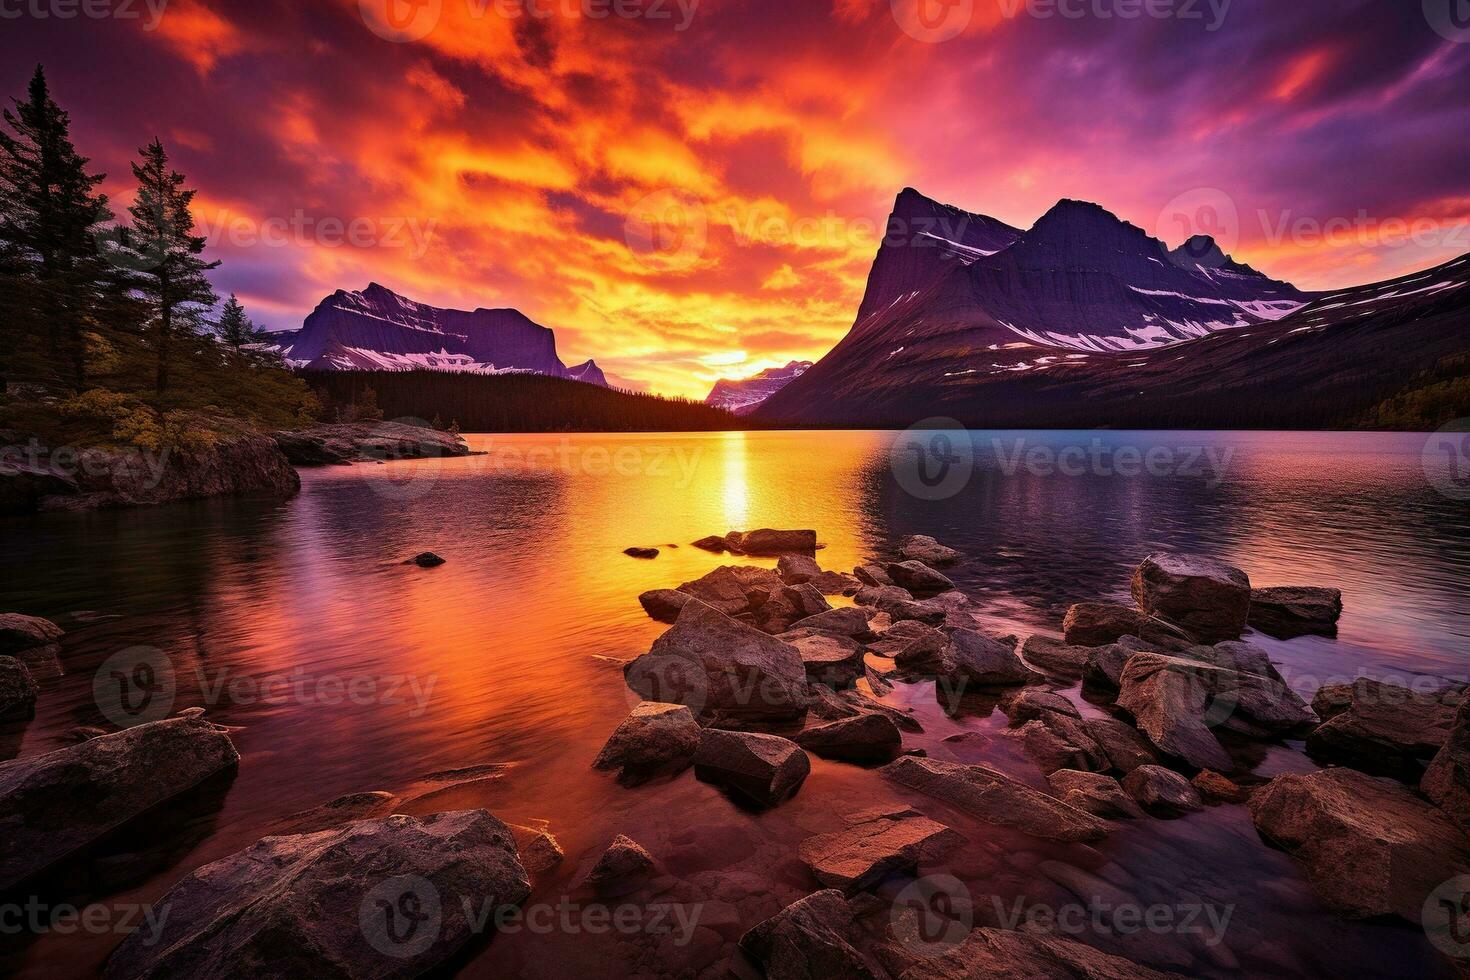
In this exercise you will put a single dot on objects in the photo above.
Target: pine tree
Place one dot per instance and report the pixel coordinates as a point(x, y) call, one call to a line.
point(235, 328)
point(54, 282)
point(167, 251)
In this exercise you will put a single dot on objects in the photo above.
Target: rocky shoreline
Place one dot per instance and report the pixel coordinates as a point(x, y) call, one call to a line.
point(756, 673)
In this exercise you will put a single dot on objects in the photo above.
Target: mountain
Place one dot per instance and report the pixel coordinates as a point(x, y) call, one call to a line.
point(1329, 363)
point(744, 396)
point(376, 329)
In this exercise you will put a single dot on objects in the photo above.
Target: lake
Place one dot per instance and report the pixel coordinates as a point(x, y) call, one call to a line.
point(344, 670)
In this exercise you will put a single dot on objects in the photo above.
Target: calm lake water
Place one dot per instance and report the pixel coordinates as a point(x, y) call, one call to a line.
point(267, 614)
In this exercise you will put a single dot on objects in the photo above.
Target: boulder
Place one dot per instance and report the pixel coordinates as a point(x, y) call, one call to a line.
point(810, 940)
point(831, 705)
point(1104, 666)
point(1058, 741)
point(1289, 611)
point(721, 669)
point(1162, 792)
point(1369, 847)
point(872, 574)
point(19, 633)
point(1055, 657)
point(53, 805)
point(1447, 780)
point(918, 578)
point(1094, 793)
point(900, 604)
point(1124, 747)
point(644, 553)
point(654, 740)
point(760, 769)
point(1206, 598)
point(796, 569)
point(974, 659)
point(829, 658)
point(624, 862)
point(1332, 700)
point(921, 547)
point(537, 849)
point(911, 645)
point(1094, 624)
point(860, 738)
point(780, 608)
point(1217, 788)
point(385, 898)
point(1031, 704)
point(730, 588)
point(996, 798)
point(1386, 728)
point(848, 621)
point(875, 845)
point(17, 689)
point(988, 954)
point(663, 605)
point(715, 544)
point(767, 541)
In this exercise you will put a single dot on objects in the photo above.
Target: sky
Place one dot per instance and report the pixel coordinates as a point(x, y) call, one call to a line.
point(687, 190)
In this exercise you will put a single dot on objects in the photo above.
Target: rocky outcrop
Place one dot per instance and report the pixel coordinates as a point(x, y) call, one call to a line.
point(623, 863)
point(996, 798)
point(921, 547)
point(874, 846)
point(721, 669)
point(654, 740)
point(53, 805)
point(829, 658)
point(17, 688)
point(1290, 611)
point(860, 738)
point(1093, 793)
point(1162, 792)
point(387, 898)
point(1208, 599)
point(812, 939)
point(991, 953)
point(1386, 728)
point(19, 633)
point(664, 605)
point(1368, 846)
point(760, 769)
point(1447, 780)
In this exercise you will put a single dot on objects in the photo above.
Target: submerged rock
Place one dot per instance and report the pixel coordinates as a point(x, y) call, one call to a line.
point(53, 805)
point(663, 605)
point(761, 769)
point(1162, 792)
point(654, 740)
point(994, 797)
point(1095, 793)
point(860, 738)
point(811, 939)
point(876, 845)
point(771, 542)
point(1290, 611)
point(538, 850)
point(721, 669)
point(921, 547)
point(1384, 728)
point(715, 544)
point(624, 862)
point(644, 553)
point(426, 560)
point(1369, 847)
point(1206, 598)
point(19, 633)
point(386, 898)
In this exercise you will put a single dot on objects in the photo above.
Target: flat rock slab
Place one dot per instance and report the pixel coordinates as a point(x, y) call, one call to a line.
point(654, 740)
point(999, 954)
point(1290, 611)
point(1368, 846)
point(772, 542)
point(874, 848)
point(994, 797)
point(374, 899)
point(761, 769)
point(53, 805)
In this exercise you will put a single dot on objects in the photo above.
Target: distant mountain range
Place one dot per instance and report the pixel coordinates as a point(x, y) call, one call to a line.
point(745, 395)
point(1086, 320)
point(376, 329)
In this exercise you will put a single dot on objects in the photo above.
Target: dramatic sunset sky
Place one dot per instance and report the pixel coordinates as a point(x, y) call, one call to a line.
point(497, 160)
